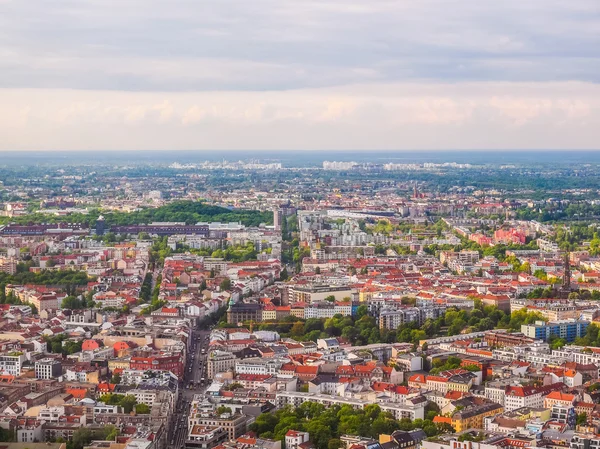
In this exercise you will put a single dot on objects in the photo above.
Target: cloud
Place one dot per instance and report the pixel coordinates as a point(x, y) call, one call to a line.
point(364, 116)
point(112, 74)
point(186, 45)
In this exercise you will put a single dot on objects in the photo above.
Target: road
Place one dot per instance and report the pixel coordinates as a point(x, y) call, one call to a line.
point(191, 385)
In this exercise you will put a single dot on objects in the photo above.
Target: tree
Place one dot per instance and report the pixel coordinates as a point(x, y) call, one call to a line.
point(142, 409)
point(297, 329)
point(6, 435)
point(111, 432)
point(222, 410)
point(225, 284)
point(362, 311)
point(34, 310)
point(444, 427)
point(581, 419)
point(556, 342)
point(283, 275)
point(81, 437)
point(128, 402)
point(71, 347)
point(71, 302)
point(265, 422)
point(56, 346)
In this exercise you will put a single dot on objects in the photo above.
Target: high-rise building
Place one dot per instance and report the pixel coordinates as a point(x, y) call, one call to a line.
point(277, 218)
point(100, 225)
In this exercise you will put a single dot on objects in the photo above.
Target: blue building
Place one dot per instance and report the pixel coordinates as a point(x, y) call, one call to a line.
point(569, 330)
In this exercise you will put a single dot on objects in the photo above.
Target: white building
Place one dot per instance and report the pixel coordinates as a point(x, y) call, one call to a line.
point(12, 363)
point(48, 369)
point(258, 366)
point(294, 438)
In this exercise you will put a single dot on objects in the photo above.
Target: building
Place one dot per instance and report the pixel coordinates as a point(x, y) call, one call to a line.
point(473, 414)
point(317, 293)
point(163, 229)
point(403, 439)
point(219, 362)
point(411, 410)
point(585, 441)
point(294, 438)
point(527, 396)
point(205, 437)
point(240, 312)
point(8, 265)
point(162, 362)
point(258, 366)
point(12, 363)
point(277, 218)
point(568, 330)
point(235, 426)
point(48, 369)
point(505, 339)
point(47, 301)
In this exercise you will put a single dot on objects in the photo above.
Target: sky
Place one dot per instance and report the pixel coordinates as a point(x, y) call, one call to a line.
point(299, 74)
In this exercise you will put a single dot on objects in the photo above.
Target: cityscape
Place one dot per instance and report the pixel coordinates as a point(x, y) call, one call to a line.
point(252, 304)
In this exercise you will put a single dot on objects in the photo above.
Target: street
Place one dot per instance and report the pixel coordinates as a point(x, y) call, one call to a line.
point(194, 382)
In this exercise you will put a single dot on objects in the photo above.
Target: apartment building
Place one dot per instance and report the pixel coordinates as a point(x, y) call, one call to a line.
point(48, 369)
point(219, 362)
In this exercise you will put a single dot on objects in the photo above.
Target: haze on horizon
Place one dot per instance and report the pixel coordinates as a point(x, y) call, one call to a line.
point(272, 74)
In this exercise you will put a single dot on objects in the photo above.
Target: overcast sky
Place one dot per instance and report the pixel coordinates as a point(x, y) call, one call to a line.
point(299, 74)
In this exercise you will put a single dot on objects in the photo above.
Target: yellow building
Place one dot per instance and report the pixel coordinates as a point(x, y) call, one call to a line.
point(460, 382)
point(114, 364)
point(93, 377)
point(269, 313)
point(472, 417)
point(298, 312)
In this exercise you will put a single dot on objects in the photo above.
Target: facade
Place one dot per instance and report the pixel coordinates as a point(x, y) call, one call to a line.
point(294, 438)
point(568, 330)
point(205, 437)
point(171, 363)
point(585, 441)
point(240, 312)
point(219, 362)
point(258, 366)
point(399, 411)
point(472, 417)
point(528, 396)
point(235, 426)
point(48, 369)
point(12, 363)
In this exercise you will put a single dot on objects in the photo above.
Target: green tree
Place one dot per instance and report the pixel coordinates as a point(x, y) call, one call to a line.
point(142, 409)
point(81, 437)
point(71, 302)
point(225, 284)
point(581, 419)
point(128, 402)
